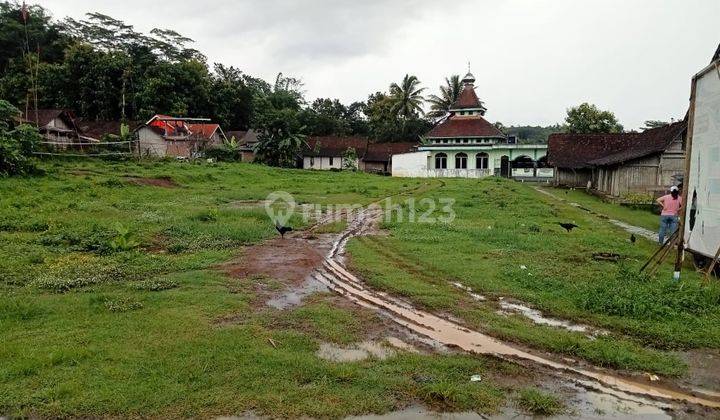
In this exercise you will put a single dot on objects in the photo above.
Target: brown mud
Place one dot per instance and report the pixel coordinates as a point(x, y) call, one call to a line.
point(302, 261)
point(164, 182)
point(336, 277)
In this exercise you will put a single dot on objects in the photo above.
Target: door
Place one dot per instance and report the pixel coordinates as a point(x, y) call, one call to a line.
point(505, 167)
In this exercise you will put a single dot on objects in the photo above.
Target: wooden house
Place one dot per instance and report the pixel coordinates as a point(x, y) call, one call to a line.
point(619, 163)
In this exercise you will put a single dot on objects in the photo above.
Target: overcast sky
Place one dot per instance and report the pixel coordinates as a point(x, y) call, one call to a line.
point(532, 58)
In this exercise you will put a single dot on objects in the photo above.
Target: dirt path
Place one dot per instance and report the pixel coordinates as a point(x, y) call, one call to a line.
point(337, 277)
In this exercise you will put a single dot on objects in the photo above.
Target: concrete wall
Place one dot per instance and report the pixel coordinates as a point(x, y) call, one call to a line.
point(322, 162)
point(150, 143)
point(412, 164)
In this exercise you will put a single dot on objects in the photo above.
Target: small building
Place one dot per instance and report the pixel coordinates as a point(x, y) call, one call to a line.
point(246, 141)
point(327, 152)
point(466, 145)
point(620, 163)
point(57, 126)
point(378, 157)
point(163, 135)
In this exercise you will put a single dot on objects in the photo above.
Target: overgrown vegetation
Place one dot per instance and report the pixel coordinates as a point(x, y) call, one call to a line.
point(16, 142)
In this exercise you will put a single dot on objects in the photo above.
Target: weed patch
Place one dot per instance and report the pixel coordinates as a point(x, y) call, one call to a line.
point(539, 403)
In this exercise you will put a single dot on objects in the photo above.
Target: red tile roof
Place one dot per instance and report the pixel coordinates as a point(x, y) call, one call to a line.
point(204, 130)
point(335, 145)
point(381, 152)
point(576, 151)
point(467, 99)
point(458, 126)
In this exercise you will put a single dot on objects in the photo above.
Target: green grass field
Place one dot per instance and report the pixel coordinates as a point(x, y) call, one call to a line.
point(113, 303)
point(501, 226)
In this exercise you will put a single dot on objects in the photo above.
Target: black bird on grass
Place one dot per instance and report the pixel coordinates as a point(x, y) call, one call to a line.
point(633, 238)
point(283, 230)
point(568, 226)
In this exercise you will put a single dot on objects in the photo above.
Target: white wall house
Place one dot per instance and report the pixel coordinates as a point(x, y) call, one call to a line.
point(322, 162)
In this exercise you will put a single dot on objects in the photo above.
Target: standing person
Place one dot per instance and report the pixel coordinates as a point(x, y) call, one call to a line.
point(671, 204)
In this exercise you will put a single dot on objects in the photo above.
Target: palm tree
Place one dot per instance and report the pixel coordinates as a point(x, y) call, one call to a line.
point(440, 105)
point(406, 99)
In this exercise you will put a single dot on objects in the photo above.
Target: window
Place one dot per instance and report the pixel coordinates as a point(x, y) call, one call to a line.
point(331, 160)
point(445, 141)
point(441, 161)
point(481, 161)
point(461, 161)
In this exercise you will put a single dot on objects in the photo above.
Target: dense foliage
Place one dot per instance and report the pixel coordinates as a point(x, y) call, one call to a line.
point(16, 142)
point(587, 118)
point(103, 69)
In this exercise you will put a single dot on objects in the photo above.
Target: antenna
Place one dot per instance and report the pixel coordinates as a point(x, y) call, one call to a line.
point(468, 66)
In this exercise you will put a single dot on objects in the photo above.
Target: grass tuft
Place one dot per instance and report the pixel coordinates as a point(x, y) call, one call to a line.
point(539, 403)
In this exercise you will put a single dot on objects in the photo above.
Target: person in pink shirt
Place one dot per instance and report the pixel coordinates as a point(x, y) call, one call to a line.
point(671, 205)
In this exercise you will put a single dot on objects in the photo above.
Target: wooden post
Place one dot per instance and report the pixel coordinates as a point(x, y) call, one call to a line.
point(688, 158)
point(710, 269)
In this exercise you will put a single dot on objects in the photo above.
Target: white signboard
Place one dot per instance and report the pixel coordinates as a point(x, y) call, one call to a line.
point(702, 233)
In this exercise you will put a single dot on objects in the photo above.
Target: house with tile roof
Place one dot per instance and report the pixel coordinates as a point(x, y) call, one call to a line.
point(328, 152)
point(58, 126)
point(163, 135)
point(466, 145)
point(620, 163)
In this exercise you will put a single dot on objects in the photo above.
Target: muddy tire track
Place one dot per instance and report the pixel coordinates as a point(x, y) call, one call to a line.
point(338, 278)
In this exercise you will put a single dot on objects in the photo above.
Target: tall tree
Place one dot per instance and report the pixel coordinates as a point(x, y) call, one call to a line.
point(587, 118)
point(231, 98)
point(406, 98)
point(30, 32)
point(654, 124)
point(449, 93)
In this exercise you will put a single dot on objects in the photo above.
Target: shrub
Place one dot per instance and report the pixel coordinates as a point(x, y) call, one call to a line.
point(16, 142)
point(123, 241)
point(223, 154)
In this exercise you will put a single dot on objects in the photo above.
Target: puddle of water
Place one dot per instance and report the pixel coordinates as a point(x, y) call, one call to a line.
point(472, 294)
point(636, 230)
point(340, 280)
point(399, 344)
point(357, 352)
point(294, 297)
point(538, 318)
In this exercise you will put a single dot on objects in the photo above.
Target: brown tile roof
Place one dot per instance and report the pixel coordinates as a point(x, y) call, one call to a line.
point(459, 126)
point(44, 116)
point(467, 99)
point(576, 151)
point(335, 145)
point(98, 129)
point(381, 152)
point(238, 134)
